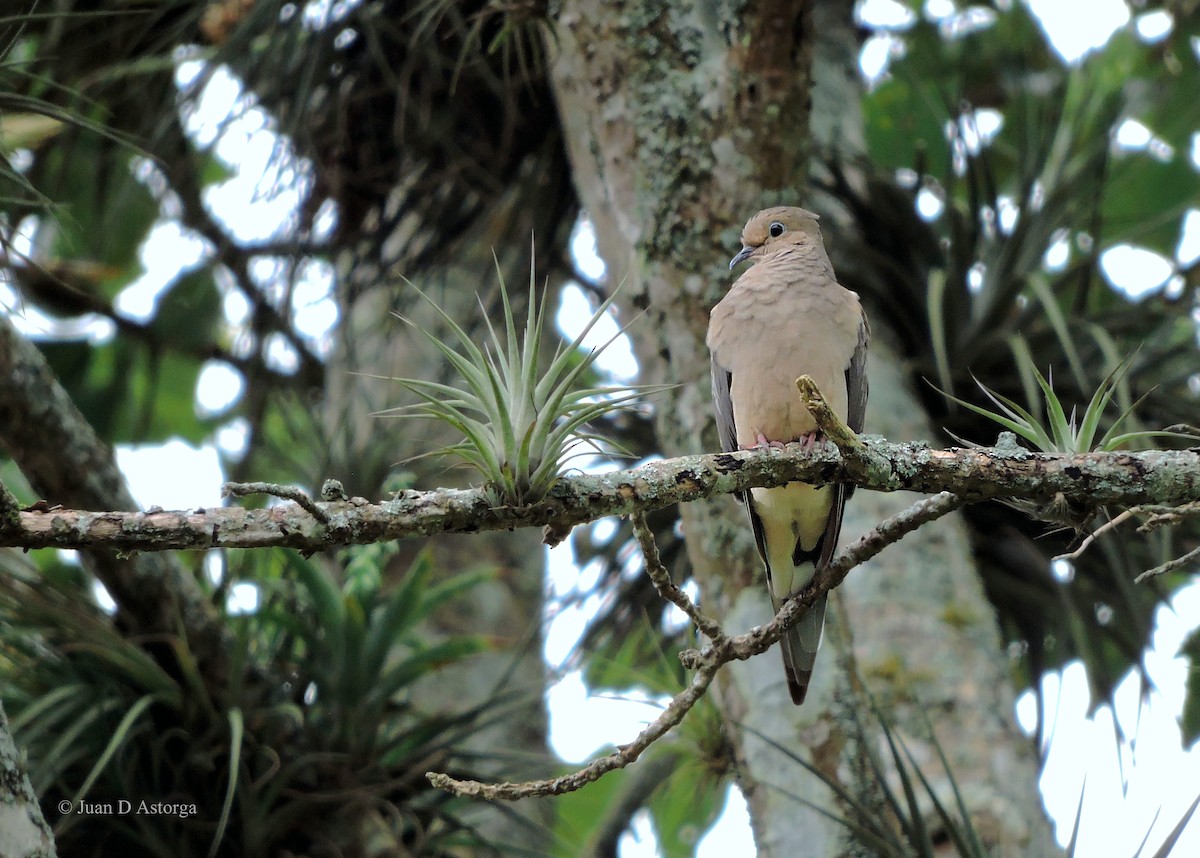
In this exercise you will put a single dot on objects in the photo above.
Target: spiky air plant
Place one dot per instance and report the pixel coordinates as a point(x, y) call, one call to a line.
point(520, 420)
point(1060, 433)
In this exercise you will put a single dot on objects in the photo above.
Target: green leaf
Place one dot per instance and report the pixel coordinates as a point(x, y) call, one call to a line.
point(237, 729)
point(103, 213)
point(1138, 177)
point(408, 670)
point(189, 312)
point(684, 807)
point(580, 813)
point(120, 735)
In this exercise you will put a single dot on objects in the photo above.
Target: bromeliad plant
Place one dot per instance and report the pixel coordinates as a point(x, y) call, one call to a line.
point(1061, 433)
point(326, 749)
point(520, 422)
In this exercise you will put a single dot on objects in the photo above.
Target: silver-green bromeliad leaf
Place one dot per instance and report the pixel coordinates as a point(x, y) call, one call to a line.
point(520, 421)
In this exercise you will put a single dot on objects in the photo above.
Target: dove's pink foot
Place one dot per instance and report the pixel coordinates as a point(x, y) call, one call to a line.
point(809, 440)
point(761, 441)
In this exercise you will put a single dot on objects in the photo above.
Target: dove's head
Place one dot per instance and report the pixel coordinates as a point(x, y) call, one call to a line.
point(771, 229)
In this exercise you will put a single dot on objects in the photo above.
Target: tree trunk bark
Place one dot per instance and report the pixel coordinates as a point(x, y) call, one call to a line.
point(681, 121)
point(23, 830)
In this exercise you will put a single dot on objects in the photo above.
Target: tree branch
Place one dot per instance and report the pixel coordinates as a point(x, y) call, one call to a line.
point(721, 650)
point(1169, 477)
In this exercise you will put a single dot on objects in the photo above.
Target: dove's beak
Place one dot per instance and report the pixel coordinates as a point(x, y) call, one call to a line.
point(742, 256)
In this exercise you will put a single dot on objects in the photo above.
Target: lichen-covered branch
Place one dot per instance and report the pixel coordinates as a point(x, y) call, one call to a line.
point(1168, 477)
point(721, 649)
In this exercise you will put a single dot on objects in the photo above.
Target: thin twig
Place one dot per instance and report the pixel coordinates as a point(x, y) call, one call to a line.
point(1167, 515)
point(291, 493)
point(1161, 516)
point(721, 651)
point(622, 757)
point(1098, 532)
point(831, 426)
point(666, 588)
point(1168, 566)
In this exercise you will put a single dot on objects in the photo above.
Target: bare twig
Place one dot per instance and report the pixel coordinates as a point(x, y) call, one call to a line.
point(831, 426)
point(1168, 566)
point(1098, 532)
point(1162, 516)
point(666, 588)
point(720, 651)
point(280, 491)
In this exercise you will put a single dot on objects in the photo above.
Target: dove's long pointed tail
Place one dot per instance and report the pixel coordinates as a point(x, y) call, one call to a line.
point(800, 645)
point(779, 517)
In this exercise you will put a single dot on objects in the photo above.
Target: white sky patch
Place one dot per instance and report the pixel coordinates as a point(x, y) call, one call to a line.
point(243, 598)
point(1188, 250)
point(1058, 254)
point(988, 123)
point(1074, 32)
point(1008, 215)
point(174, 475)
point(596, 720)
point(638, 840)
point(1124, 781)
point(261, 200)
point(930, 204)
point(1135, 271)
point(584, 250)
point(674, 619)
point(280, 355)
point(568, 608)
point(573, 312)
point(885, 14)
point(877, 54)
point(314, 310)
point(233, 437)
point(936, 10)
point(975, 277)
point(167, 254)
point(319, 14)
point(1154, 26)
point(970, 20)
point(731, 829)
point(218, 388)
point(1133, 136)
point(103, 598)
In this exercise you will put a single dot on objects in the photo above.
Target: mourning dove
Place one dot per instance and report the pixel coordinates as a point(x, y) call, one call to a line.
point(786, 317)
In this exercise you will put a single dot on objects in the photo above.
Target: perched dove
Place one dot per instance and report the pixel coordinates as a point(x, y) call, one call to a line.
point(786, 317)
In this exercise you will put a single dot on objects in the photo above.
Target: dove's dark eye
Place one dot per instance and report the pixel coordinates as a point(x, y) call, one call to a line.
point(776, 229)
